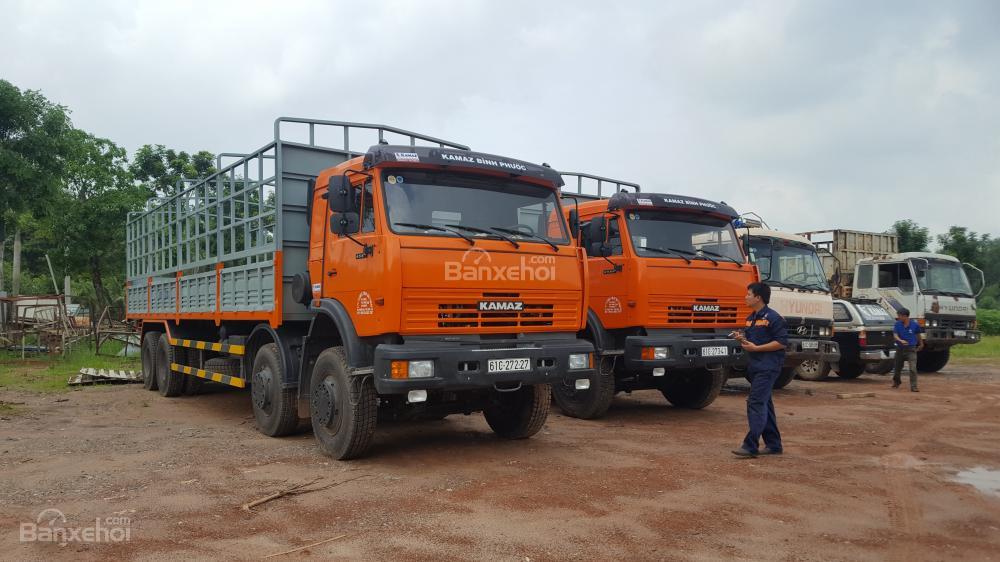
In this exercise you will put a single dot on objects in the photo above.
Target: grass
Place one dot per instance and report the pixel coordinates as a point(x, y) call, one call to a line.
point(42, 373)
point(989, 348)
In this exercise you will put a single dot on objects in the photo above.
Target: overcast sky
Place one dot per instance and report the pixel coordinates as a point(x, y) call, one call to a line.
point(814, 114)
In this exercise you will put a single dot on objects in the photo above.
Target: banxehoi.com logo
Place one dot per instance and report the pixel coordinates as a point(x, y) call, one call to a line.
point(51, 526)
point(477, 265)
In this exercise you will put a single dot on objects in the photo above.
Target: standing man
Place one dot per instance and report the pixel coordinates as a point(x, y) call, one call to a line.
point(906, 332)
point(764, 340)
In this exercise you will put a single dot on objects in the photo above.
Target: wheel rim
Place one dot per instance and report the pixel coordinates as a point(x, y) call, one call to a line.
point(324, 405)
point(261, 389)
point(810, 367)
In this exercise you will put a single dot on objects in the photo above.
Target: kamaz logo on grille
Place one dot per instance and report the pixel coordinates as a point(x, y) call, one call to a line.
point(705, 308)
point(501, 306)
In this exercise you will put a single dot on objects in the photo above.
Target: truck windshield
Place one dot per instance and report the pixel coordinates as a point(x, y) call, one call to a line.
point(942, 277)
point(471, 206)
point(658, 234)
point(788, 264)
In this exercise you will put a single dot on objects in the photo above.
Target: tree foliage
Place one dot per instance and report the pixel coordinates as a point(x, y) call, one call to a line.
point(912, 236)
point(160, 168)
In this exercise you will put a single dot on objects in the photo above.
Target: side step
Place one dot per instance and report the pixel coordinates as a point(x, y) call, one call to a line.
point(208, 375)
point(208, 346)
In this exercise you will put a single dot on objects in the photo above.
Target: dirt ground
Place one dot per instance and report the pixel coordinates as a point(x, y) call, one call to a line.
point(862, 479)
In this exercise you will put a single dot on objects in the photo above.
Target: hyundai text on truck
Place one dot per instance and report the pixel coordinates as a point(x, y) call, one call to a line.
point(668, 279)
point(788, 263)
point(410, 280)
point(933, 287)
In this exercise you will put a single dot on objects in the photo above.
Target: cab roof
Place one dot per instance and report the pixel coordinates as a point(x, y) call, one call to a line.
point(403, 155)
point(767, 233)
point(667, 201)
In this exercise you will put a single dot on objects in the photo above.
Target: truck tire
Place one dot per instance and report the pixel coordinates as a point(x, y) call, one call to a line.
point(519, 414)
point(850, 370)
point(168, 382)
point(275, 408)
point(932, 361)
point(784, 378)
point(693, 388)
point(587, 404)
point(812, 370)
point(150, 341)
point(343, 409)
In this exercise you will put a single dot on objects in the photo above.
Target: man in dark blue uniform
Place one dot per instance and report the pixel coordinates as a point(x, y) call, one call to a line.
point(764, 340)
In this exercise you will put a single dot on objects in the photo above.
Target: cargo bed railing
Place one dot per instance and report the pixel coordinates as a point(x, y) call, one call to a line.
point(230, 241)
point(619, 185)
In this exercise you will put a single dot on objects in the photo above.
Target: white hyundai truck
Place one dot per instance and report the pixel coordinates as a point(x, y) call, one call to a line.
point(933, 287)
point(788, 263)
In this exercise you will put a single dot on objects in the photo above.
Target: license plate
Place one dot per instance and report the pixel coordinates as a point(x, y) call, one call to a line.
point(508, 365)
point(809, 344)
point(714, 351)
point(959, 333)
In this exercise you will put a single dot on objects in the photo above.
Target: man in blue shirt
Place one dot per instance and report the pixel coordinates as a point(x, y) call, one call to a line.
point(906, 332)
point(764, 340)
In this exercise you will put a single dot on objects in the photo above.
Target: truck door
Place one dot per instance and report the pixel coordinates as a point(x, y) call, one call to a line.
point(609, 291)
point(353, 267)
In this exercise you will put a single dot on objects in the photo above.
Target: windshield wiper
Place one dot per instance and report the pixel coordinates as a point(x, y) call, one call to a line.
point(484, 231)
point(667, 252)
point(519, 233)
point(433, 227)
point(781, 284)
point(817, 287)
point(739, 263)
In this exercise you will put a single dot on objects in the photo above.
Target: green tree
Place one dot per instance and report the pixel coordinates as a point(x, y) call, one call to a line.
point(160, 168)
point(912, 236)
point(33, 147)
point(966, 245)
point(88, 232)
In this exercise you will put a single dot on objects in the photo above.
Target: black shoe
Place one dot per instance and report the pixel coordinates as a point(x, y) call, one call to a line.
point(744, 454)
point(914, 389)
point(896, 384)
point(772, 451)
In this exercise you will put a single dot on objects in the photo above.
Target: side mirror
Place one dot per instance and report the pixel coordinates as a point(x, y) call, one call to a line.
point(338, 195)
point(574, 224)
point(596, 235)
point(345, 224)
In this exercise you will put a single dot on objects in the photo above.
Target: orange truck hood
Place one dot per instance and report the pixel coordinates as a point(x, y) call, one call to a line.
point(669, 290)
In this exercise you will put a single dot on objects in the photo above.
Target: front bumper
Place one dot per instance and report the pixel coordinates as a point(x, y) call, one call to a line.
point(464, 365)
point(801, 349)
point(685, 351)
point(877, 355)
point(943, 337)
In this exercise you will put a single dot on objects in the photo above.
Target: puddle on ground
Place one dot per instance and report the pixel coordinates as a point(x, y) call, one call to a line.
point(983, 479)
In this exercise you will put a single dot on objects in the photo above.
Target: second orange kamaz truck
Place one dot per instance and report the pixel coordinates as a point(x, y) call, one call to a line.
point(667, 283)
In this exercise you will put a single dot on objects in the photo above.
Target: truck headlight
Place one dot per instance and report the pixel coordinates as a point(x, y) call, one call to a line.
point(933, 323)
point(421, 369)
point(579, 360)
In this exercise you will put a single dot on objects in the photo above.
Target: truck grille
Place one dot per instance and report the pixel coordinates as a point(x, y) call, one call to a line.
point(953, 323)
point(666, 311)
point(431, 311)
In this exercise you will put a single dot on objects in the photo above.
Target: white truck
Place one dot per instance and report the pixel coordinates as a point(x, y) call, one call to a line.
point(933, 287)
point(788, 263)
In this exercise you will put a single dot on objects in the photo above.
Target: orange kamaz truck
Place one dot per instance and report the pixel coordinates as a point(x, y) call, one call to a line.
point(668, 278)
point(411, 280)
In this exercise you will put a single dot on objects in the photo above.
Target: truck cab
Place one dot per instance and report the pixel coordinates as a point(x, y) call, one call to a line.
point(936, 291)
point(788, 263)
point(667, 284)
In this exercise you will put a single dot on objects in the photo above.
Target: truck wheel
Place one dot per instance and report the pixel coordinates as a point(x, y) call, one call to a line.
point(149, 343)
point(586, 404)
point(343, 411)
point(847, 370)
point(274, 407)
point(694, 388)
point(784, 378)
point(813, 370)
point(169, 383)
point(932, 361)
point(519, 414)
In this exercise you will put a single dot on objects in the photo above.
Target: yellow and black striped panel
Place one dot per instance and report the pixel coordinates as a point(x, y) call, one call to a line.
point(209, 375)
point(208, 346)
